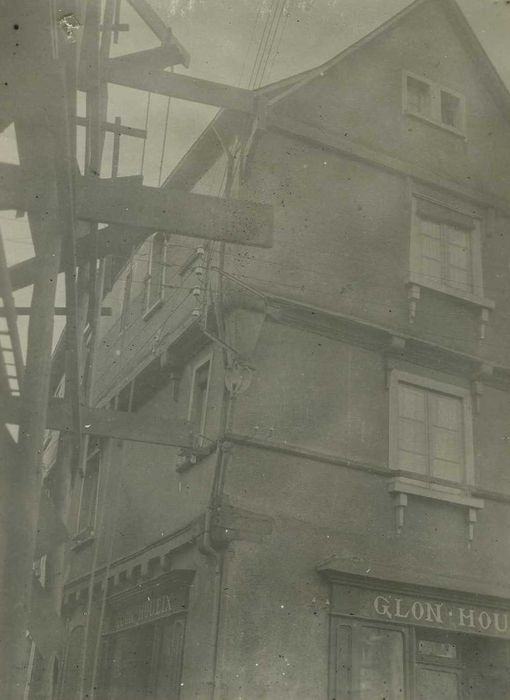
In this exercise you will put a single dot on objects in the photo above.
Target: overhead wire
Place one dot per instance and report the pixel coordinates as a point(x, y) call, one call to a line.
point(276, 23)
point(286, 12)
point(144, 147)
point(262, 45)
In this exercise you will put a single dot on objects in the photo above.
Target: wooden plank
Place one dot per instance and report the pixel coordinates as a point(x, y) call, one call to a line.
point(119, 425)
point(156, 25)
point(9, 312)
point(57, 311)
point(142, 76)
point(185, 213)
point(158, 58)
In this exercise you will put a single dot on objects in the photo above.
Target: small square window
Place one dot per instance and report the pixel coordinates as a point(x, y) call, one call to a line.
point(434, 103)
point(419, 97)
point(451, 110)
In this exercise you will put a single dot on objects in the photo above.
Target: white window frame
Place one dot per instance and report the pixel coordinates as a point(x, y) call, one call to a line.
point(147, 282)
point(196, 368)
point(398, 377)
point(435, 117)
point(417, 277)
point(126, 298)
point(89, 529)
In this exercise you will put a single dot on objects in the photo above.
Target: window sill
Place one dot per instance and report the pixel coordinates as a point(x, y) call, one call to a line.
point(438, 492)
point(439, 125)
point(402, 487)
point(451, 292)
point(83, 539)
point(416, 284)
point(152, 310)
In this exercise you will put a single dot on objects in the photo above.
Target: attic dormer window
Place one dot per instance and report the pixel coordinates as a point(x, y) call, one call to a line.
point(419, 97)
point(434, 103)
point(451, 110)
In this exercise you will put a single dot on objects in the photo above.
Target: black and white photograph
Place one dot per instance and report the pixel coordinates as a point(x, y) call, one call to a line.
point(255, 349)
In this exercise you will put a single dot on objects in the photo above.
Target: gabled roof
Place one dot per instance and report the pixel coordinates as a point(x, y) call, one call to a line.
point(208, 146)
point(280, 89)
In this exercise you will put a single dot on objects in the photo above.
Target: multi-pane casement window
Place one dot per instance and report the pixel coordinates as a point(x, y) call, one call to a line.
point(434, 103)
point(430, 429)
point(446, 249)
point(155, 278)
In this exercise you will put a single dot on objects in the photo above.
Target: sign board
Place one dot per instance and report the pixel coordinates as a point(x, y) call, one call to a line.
point(149, 602)
point(405, 608)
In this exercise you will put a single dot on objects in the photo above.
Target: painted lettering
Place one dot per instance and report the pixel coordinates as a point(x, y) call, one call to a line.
point(501, 622)
point(441, 614)
point(382, 606)
point(418, 610)
point(484, 620)
point(398, 609)
point(468, 615)
point(144, 611)
point(434, 613)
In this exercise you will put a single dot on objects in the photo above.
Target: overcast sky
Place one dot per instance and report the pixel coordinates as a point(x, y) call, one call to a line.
point(245, 43)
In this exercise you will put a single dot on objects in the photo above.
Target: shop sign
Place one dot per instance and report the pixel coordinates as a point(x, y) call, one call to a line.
point(418, 610)
point(165, 596)
point(150, 609)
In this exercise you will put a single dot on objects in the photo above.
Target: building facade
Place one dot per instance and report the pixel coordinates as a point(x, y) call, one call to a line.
point(338, 527)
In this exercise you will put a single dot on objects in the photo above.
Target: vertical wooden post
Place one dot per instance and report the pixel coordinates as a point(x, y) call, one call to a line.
point(22, 480)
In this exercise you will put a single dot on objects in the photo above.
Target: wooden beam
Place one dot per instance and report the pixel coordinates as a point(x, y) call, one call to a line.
point(141, 76)
point(116, 128)
point(119, 425)
point(57, 311)
point(156, 59)
point(184, 213)
point(158, 27)
point(8, 310)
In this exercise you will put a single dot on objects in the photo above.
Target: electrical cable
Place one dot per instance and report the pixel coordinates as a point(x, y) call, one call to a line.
point(142, 163)
point(276, 23)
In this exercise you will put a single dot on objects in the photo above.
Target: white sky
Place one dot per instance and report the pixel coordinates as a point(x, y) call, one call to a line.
point(224, 38)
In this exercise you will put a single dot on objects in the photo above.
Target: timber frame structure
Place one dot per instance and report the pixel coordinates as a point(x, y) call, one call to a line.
point(48, 52)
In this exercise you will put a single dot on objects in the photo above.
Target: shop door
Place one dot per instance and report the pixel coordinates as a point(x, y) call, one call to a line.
point(439, 666)
point(144, 663)
point(168, 660)
point(129, 664)
point(437, 684)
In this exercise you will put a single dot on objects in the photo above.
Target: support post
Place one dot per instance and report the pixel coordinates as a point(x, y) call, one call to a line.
point(22, 479)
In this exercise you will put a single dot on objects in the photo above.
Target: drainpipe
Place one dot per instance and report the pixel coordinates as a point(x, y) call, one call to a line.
point(206, 545)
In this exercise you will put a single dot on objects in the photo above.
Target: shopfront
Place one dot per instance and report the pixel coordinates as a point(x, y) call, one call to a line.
point(143, 643)
point(395, 642)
